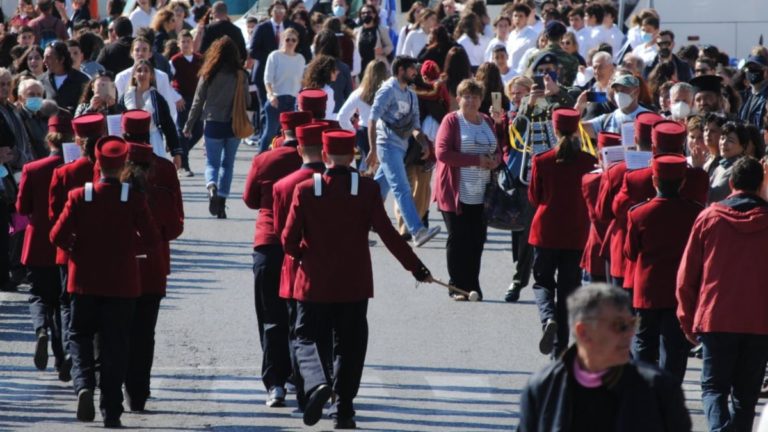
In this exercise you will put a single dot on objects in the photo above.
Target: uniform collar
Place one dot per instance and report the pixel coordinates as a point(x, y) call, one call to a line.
point(314, 166)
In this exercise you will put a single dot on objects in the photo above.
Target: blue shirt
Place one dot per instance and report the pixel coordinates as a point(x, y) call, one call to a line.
point(394, 107)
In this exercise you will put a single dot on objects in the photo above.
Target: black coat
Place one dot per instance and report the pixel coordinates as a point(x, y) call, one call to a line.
point(648, 399)
point(116, 57)
point(224, 28)
point(68, 95)
point(683, 69)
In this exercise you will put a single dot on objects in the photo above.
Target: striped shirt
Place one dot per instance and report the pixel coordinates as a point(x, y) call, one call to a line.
point(476, 139)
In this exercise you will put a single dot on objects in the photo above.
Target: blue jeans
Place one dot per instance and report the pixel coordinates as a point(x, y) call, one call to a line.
point(219, 162)
point(733, 366)
point(361, 140)
point(285, 103)
point(660, 340)
point(391, 174)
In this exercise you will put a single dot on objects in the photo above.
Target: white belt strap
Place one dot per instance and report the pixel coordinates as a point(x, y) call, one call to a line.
point(355, 183)
point(88, 192)
point(124, 192)
point(318, 178)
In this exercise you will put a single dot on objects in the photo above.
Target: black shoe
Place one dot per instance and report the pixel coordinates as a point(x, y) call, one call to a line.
point(112, 422)
point(314, 408)
point(134, 405)
point(85, 410)
point(65, 370)
point(513, 293)
point(547, 342)
point(407, 236)
point(213, 200)
point(222, 210)
point(344, 423)
point(41, 349)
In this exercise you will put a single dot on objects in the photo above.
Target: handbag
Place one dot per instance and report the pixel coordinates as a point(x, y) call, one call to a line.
point(503, 203)
point(241, 125)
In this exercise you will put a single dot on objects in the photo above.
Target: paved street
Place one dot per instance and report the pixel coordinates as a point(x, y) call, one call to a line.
point(432, 364)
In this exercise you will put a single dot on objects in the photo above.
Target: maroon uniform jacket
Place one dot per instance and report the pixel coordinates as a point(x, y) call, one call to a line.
point(657, 232)
point(282, 194)
point(638, 188)
point(592, 262)
point(100, 237)
point(65, 178)
point(329, 235)
point(561, 220)
point(33, 202)
point(610, 185)
point(266, 169)
point(155, 262)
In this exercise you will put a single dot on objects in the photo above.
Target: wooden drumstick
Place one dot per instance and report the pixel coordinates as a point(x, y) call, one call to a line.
point(471, 296)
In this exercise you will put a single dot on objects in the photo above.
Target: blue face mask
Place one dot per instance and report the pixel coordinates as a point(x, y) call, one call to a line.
point(339, 11)
point(34, 104)
point(645, 37)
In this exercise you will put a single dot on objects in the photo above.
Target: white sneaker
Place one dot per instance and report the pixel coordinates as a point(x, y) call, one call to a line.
point(424, 235)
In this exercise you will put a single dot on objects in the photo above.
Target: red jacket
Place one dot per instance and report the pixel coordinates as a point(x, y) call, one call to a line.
point(721, 284)
point(610, 185)
point(100, 238)
point(66, 178)
point(33, 202)
point(657, 232)
point(266, 169)
point(638, 187)
point(561, 220)
point(155, 262)
point(329, 236)
point(591, 261)
point(282, 194)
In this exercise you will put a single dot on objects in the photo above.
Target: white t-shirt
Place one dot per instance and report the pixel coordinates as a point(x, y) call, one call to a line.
point(517, 44)
point(59, 80)
point(507, 77)
point(283, 73)
point(476, 52)
point(414, 43)
point(162, 84)
point(647, 52)
point(140, 19)
point(492, 44)
point(351, 105)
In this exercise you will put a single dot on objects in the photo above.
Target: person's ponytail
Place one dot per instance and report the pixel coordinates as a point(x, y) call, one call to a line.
point(568, 147)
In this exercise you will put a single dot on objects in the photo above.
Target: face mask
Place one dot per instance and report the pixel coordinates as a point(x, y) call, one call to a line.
point(645, 37)
point(34, 103)
point(680, 110)
point(665, 52)
point(368, 19)
point(623, 100)
point(755, 77)
point(339, 11)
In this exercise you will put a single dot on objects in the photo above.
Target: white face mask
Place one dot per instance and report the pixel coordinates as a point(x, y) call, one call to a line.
point(623, 100)
point(680, 110)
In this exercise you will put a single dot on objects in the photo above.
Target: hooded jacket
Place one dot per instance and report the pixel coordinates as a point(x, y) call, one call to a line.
point(721, 283)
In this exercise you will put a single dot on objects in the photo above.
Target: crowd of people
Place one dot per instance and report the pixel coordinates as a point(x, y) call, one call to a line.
point(637, 168)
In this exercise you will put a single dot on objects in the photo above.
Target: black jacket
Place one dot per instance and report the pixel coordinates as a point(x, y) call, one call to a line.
point(683, 69)
point(224, 28)
point(68, 95)
point(648, 399)
point(116, 57)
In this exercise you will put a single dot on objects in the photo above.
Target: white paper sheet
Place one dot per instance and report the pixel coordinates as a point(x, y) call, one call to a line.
point(637, 159)
point(114, 125)
point(628, 134)
point(612, 154)
point(71, 152)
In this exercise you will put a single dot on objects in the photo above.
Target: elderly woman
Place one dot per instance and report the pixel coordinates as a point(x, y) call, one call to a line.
point(594, 385)
point(733, 145)
point(30, 104)
point(466, 149)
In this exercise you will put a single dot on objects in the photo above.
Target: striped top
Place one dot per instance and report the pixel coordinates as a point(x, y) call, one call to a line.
point(476, 139)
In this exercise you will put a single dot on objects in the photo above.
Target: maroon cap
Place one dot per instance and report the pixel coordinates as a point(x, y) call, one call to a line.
point(339, 142)
point(668, 137)
point(311, 135)
point(607, 139)
point(136, 122)
point(60, 123)
point(430, 70)
point(111, 152)
point(293, 119)
point(90, 125)
point(669, 166)
point(565, 120)
point(644, 125)
point(140, 153)
point(313, 100)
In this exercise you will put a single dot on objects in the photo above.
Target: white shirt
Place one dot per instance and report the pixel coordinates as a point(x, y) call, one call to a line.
point(517, 44)
point(330, 104)
point(493, 44)
point(414, 43)
point(597, 35)
point(530, 52)
point(634, 35)
point(140, 19)
point(163, 86)
point(404, 32)
point(476, 53)
point(647, 52)
point(283, 73)
point(507, 77)
point(351, 105)
point(537, 27)
point(583, 37)
point(616, 38)
point(278, 28)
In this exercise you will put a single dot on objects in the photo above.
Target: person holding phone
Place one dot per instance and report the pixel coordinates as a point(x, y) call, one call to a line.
point(100, 96)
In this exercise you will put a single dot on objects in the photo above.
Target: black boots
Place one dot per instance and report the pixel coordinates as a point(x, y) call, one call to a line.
point(221, 211)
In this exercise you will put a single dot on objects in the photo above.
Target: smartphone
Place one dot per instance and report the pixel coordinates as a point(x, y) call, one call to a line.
point(597, 97)
point(496, 101)
point(553, 75)
point(104, 89)
point(538, 80)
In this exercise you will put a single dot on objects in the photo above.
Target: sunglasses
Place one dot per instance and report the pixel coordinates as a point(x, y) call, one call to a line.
point(618, 325)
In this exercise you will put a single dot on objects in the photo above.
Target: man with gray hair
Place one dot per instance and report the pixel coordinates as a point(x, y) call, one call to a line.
point(595, 385)
point(681, 101)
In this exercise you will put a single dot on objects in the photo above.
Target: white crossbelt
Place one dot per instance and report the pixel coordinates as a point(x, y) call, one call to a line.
point(318, 180)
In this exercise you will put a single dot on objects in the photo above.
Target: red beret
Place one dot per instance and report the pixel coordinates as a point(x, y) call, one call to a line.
point(90, 125)
point(311, 135)
point(313, 100)
point(668, 137)
point(339, 142)
point(607, 139)
point(430, 70)
point(290, 120)
point(111, 152)
point(644, 124)
point(136, 122)
point(669, 166)
point(139, 152)
point(60, 123)
point(565, 120)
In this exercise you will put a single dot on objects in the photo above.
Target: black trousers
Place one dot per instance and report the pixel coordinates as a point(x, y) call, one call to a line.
point(15, 246)
point(660, 340)
point(142, 348)
point(464, 249)
point(44, 306)
point(5, 262)
point(522, 251)
point(272, 315)
point(65, 307)
point(111, 318)
point(349, 326)
point(556, 275)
